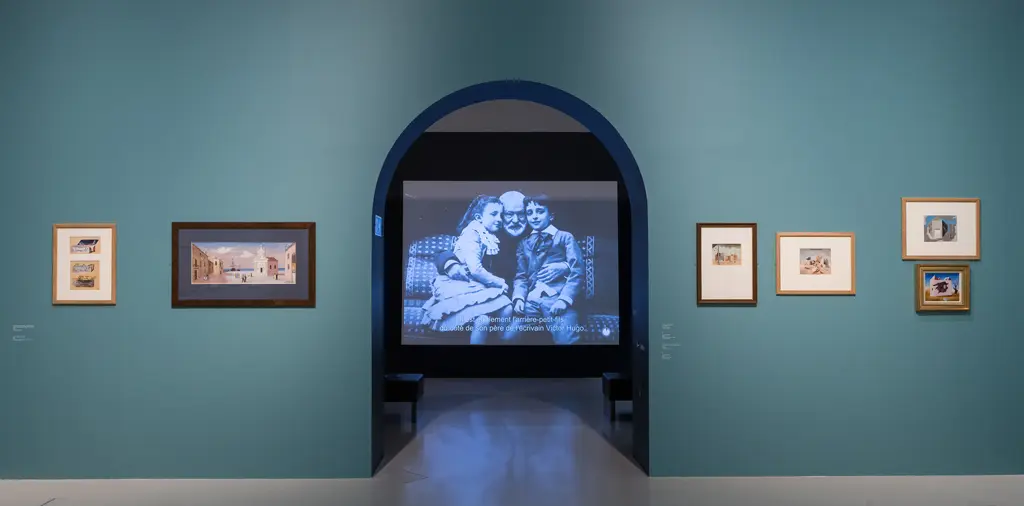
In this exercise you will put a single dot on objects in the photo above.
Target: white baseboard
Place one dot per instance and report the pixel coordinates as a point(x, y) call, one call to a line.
point(397, 490)
point(844, 491)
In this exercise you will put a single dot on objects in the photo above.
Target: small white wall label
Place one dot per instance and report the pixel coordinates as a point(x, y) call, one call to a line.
point(667, 341)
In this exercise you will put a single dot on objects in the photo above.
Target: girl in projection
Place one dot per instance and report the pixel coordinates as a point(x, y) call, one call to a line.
point(467, 296)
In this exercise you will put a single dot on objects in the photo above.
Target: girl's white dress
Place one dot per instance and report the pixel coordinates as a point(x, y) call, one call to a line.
point(454, 304)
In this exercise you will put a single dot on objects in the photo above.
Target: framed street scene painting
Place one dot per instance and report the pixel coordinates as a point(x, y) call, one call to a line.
point(727, 263)
point(815, 263)
point(941, 229)
point(85, 263)
point(942, 287)
point(243, 264)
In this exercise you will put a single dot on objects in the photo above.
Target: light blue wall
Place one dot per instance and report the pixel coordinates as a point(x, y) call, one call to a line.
point(799, 115)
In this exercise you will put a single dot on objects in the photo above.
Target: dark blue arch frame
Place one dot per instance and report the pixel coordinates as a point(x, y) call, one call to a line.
point(574, 108)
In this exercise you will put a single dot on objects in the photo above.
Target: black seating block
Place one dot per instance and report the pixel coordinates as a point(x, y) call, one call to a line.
point(617, 386)
point(403, 387)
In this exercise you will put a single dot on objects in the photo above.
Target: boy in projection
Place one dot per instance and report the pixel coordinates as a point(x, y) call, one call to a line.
point(549, 304)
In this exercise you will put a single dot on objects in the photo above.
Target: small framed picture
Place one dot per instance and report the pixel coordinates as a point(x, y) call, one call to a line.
point(815, 263)
point(85, 263)
point(243, 264)
point(941, 229)
point(727, 263)
point(942, 287)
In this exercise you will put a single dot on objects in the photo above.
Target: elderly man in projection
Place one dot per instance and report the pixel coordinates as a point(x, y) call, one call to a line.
point(503, 264)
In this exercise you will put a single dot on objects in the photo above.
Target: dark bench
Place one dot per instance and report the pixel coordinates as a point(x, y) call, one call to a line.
point(615, 387)
point(404, 388)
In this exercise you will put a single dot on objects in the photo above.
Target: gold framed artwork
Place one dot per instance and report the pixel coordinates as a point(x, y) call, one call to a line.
point(85, 263)
point(727, 263)
point(815, 263)
point(942, 287)
point(941, 228)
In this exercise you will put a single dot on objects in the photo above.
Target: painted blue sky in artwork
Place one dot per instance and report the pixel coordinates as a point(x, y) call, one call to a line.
point(948, 219)
point(955, 276)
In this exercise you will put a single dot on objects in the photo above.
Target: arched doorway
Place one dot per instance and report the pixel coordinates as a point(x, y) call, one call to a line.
point(616, 146)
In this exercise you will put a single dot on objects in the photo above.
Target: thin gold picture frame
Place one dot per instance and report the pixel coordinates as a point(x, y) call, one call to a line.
point(977, 227)
point(113, 265)
point(853, 263)
point(965, 288)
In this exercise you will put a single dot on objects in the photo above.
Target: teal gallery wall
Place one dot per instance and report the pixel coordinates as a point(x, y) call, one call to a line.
point(801, 116)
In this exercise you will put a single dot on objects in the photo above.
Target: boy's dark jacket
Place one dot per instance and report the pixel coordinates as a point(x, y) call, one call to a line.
point(541, 248)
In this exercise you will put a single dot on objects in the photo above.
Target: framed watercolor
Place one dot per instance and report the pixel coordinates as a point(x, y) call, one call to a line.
point(815, 263)
point(941, 229)
point(243, 264)
point(85, 264)
point(727, 263)
point(942, 287)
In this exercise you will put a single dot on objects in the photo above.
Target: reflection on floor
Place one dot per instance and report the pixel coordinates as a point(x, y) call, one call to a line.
point(524, 441)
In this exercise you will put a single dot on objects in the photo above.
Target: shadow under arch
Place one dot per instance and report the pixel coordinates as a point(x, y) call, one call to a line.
point(616, 146)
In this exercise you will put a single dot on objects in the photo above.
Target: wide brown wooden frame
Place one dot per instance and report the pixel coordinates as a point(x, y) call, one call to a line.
point(113, 266)
point(977, 227)
point(309, 301)
point(853, 263)
point(965, 287)
point(740, 302)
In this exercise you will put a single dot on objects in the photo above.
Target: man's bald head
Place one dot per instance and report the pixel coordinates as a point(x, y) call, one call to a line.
point(514, 212)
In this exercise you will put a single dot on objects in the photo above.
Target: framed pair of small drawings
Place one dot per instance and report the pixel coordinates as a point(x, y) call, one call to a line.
point(84, 264)
point(941, 229)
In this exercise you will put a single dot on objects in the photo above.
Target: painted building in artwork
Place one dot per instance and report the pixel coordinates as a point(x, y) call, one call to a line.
point(939, 229)
point(85, 246)
point(200, 263)
point(272, 269)
point(289, 263)
point(260, 262)
point(216, 266)
point(943, 287)
point(725, 255)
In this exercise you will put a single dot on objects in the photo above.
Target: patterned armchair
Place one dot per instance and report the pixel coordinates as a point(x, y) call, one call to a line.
point(420, 271)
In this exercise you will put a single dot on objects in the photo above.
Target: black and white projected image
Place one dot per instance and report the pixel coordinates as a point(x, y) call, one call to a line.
point(510, 263)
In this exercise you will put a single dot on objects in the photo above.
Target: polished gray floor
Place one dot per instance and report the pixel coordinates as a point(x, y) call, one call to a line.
point(515, 441)
point(519, 443)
